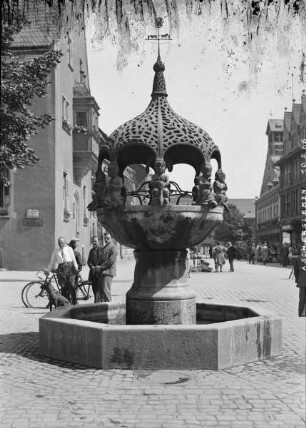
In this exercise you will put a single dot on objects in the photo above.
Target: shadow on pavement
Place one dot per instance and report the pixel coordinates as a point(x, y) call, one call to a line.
point(27, 345)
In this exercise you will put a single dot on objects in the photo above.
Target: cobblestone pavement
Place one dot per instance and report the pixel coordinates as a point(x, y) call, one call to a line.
point(39, 392)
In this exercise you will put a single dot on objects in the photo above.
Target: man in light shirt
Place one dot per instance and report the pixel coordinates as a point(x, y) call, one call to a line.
point(64, 263)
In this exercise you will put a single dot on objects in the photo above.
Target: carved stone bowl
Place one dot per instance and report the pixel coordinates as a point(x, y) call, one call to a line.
point(145, 227)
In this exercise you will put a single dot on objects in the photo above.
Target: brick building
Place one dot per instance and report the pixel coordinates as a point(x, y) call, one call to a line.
point(268, 228)
point(292, 180)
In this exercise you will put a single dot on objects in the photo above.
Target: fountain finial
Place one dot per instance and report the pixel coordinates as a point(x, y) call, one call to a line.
point(159, 84)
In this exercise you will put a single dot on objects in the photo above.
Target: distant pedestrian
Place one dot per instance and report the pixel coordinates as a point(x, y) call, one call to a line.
point(218, 255)
point(210, 252)
point(258, 253)
point(252, 252)
point(264, 253)
point(284, 255)
point(299, 267)
point(64, 262)
point(107, 268)
point(231, 254)
point(74, 244)
point(92, 262)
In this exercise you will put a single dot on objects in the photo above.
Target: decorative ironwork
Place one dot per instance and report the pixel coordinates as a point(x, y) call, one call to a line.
point(144, 196)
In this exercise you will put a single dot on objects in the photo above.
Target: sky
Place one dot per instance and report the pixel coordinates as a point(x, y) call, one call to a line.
point(212, 81)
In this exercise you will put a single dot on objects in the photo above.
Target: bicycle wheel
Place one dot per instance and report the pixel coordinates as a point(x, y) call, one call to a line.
point(23, 294)
point(35, 296)
point(83, 290)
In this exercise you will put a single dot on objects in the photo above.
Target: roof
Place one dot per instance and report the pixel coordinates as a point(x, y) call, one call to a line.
point(296, 112)
point(43, 27)
point(275, 125)
point(304, 102)
point(287, 120)
point(160, 133)
point(271, 173)
point(246, 206)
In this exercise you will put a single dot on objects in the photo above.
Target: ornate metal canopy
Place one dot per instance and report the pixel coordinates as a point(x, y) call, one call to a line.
point(160, 133)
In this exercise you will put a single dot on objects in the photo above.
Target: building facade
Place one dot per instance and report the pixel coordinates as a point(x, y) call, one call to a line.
point(50, 199)
point(268, 227)
point(292, 179)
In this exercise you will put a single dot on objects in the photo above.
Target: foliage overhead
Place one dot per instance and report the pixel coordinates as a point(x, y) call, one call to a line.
point(246, 24)
point(21, 83)
point(233, 222)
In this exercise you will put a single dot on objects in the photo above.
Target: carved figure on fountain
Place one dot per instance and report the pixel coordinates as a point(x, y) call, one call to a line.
point(205, 195)
point(99, 191)
point(220, 188)
point(115, 189)
point(159, 185)
point(195, 191)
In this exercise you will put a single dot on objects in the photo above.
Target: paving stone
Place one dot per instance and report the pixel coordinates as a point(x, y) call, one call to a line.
point(261, 394)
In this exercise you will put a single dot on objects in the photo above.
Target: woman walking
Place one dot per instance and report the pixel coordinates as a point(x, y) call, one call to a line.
point(218, 254)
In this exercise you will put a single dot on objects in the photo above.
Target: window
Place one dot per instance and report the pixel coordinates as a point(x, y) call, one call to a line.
point(297, 205)
point(67, 213)
point(77, 213)
point(81, 118)
point(85, 219)
point(82, 72)
point(65, 108)
point(4, 198)
point(278, 136)
point(70, 53)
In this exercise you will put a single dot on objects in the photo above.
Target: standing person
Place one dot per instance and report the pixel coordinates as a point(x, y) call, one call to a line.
point(231, 254)
point(252, 252)
point(63, 260)
point(92, 262)
point(218, 254)
point(107, 268)
point(258, 253)
point(299, 266)
point(74, 244)
point(284, 254)
point(210, 252)
point(265, 253)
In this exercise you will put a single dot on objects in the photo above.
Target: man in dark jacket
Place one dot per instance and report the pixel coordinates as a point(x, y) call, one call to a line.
point(231, 254)
point(107, 268)
point(299, 266)
point(74, 244)
point(93, 261)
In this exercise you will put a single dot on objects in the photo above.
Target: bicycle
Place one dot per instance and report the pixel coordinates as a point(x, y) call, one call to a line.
point(34, 295)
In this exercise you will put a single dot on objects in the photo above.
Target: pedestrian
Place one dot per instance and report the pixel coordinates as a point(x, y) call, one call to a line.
point(284, 255)
point(252, 252)
point(265, 253)
point(299, 266)
point(74, 244)
point(64, 263)
point(218, 255)
point(231, 253)
point(258, 253)
point(188, 263)
point(107, 268)
point(92, 262)
point(210, 252)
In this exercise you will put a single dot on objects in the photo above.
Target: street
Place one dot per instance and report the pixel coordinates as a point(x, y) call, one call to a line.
point(39, 392)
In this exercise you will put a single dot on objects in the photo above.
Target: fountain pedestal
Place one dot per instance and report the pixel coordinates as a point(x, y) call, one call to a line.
point(160, 293)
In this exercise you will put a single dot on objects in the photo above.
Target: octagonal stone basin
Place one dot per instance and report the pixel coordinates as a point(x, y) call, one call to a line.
point(95, 335)
point(145, 227)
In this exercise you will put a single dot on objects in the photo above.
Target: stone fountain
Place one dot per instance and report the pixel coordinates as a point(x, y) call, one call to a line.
point(157, 327)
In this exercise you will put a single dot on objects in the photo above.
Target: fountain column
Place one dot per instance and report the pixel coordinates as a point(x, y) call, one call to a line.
point(160, 293)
